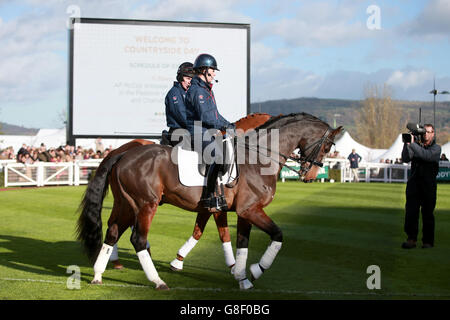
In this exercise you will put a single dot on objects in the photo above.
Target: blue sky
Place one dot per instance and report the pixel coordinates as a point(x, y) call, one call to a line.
point(299, 48)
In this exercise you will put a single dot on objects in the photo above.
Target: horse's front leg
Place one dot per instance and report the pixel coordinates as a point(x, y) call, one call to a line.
point(224, 235)
point(200, 223)
point(259, 218)
point(243, 236)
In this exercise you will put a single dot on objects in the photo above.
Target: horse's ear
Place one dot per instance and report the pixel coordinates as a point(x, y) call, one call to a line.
point(337, 131)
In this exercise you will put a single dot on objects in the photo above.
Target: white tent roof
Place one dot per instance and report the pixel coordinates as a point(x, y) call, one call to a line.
point(446, 149)
point(394, 152)
point(346, 143)
point(15, 141)
point(50, 137)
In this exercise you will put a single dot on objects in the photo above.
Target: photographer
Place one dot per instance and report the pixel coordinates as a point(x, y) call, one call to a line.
point(423, 152)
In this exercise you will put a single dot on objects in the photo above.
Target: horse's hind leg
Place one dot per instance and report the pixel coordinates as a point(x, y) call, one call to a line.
point(117, 224)
point(199, 227)
point(224, 235)
point(139, 241)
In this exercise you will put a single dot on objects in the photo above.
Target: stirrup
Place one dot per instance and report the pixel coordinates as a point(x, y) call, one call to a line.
point(213, 202)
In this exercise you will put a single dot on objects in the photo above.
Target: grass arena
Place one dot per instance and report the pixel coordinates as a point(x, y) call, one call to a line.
point(332, 233)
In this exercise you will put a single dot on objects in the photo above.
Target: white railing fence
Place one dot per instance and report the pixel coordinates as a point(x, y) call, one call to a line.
point(48, 173)
point(78, 172)
point(375, 172)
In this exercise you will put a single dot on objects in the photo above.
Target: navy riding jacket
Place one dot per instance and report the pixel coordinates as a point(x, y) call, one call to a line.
point(201, 106)
point(175, 107)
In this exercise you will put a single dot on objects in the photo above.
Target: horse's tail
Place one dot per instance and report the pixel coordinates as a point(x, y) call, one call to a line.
point(89, 226)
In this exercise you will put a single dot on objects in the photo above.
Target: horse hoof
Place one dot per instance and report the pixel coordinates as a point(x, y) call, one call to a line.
point(162, 287)
point(96, 282)
point(245, 284)
point(117, 265)
point(176, 265)
point(175, 269)
point(256, 271)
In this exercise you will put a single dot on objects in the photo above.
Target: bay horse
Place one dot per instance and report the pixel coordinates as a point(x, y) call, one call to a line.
point(142, 175)
point(244, 124)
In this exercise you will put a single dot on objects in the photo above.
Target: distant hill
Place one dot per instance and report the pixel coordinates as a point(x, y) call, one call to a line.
point(13, 130)
point(343, 111)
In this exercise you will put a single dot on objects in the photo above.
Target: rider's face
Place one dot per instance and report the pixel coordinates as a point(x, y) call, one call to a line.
point(186, 83)
point(210, 74)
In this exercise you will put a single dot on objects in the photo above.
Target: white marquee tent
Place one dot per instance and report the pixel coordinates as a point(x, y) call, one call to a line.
point(50, 137)
point(346, 143)
point(446, 149)
point(394, 152)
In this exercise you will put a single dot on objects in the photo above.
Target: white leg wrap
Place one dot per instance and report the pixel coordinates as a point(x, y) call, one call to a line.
point(228, 252)
point(241, 262)
point(102, 259)
point(270, 254)
point(266, 261)
point(177, 265)
point(101, 262)
point(256, 271)
point(245, 284)
point(115, 254)
point(149, 268)
point(187, 247)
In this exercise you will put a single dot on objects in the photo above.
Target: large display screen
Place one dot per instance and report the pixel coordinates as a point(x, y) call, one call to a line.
point(121, 71)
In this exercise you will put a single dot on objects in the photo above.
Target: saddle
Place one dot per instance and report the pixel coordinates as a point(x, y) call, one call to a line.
point(192, 172)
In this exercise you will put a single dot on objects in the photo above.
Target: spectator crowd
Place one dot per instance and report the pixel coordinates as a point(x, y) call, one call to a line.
point(29, 155)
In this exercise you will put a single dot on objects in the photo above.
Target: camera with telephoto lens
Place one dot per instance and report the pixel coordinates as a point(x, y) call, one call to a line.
point(416, 130)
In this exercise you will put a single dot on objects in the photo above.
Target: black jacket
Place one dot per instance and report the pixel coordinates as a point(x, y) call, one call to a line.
point(424, 161)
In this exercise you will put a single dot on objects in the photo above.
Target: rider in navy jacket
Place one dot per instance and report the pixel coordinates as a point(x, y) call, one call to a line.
point(175, 108)
point(175, 101)
point(201, 106)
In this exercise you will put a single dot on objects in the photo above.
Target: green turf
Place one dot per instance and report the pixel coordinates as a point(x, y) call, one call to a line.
point(332, 233)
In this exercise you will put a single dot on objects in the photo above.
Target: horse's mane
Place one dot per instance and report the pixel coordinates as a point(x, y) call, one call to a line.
point(251, 115)
point(283, 120)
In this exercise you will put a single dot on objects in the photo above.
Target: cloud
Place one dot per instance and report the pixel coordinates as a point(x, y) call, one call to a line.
point(432, 22)
point(410, 78)
point(278, 81)
point(181, 10)
point(321, 24)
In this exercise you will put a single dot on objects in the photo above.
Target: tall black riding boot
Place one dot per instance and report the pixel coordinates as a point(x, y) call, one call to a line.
point(209, 199)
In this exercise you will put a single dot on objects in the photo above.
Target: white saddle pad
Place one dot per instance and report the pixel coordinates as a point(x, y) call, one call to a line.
point(188, 169)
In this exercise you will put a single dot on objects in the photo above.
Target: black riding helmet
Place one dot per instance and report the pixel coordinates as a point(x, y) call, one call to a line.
point(205, 60)
point(185, 70)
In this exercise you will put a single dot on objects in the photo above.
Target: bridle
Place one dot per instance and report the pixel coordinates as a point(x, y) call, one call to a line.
point(304, 159)
point(311, 158)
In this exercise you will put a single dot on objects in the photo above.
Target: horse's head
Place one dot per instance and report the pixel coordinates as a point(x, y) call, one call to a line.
point(312, 136)
point(313, 150)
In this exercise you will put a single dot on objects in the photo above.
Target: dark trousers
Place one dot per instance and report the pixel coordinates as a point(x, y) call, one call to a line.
point(420, 197)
